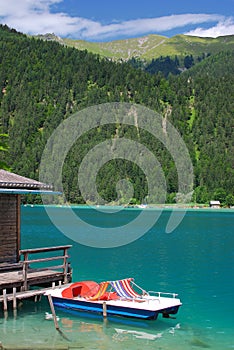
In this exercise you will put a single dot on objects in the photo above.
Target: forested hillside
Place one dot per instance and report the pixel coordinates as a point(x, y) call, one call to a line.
point(42, 83)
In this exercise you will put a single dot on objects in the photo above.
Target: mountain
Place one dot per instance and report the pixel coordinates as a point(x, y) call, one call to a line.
point(151, 46)
point(42, 83)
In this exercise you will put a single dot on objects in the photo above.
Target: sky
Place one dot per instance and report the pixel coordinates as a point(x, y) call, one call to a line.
point(105, 20)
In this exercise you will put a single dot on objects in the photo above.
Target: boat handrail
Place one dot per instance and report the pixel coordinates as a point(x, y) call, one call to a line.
point(160, 294)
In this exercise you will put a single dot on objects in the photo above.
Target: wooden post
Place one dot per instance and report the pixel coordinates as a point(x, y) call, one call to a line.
point(25, 271)
point(104, 309)
point(18, 226)
point(55, 318)
point(14, 299)
point(65, 265)
point(53, 312)
point(4, 300)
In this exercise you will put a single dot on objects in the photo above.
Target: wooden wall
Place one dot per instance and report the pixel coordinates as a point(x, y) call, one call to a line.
point(9, 228)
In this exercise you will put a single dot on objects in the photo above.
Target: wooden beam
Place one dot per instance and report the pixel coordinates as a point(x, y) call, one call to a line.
point(45, 259)
point(18, 227)
point(46, 249)
point(25, 272)
point(53, 312)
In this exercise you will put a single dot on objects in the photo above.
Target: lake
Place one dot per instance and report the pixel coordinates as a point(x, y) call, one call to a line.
point(196, 261)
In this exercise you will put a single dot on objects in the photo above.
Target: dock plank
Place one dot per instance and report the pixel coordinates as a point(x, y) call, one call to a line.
point(15, 278)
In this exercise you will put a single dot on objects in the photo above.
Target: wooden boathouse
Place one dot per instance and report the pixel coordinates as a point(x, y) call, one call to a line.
point(20, 276)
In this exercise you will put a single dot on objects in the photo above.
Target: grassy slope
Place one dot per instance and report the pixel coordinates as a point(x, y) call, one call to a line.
point(153, 46)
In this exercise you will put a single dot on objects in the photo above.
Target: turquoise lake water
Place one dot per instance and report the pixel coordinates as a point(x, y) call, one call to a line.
point(196, 261)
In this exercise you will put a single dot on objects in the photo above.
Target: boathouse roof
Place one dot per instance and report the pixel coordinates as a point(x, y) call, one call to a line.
point(13, 183)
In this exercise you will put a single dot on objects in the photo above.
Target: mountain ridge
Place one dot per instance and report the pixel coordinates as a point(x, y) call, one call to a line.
point(149, 46)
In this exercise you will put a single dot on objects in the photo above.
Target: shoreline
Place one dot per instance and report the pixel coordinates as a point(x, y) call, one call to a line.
point(177, 207)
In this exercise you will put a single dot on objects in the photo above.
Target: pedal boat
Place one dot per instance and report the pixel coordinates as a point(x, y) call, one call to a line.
point(115, 298)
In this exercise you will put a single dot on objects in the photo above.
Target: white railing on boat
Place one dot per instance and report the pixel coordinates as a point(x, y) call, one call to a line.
point(163, 294)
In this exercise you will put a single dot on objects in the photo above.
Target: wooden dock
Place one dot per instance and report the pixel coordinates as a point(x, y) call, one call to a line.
point(15, 296)
point(35, 277)
point(22, 281)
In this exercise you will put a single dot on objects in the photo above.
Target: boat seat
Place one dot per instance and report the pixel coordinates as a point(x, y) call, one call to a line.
point(124, 289)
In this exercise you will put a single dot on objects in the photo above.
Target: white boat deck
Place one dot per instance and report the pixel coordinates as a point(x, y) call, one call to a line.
point(148, 302)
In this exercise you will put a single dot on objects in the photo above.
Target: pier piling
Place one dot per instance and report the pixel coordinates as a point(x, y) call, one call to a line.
point(53, 312)
point(4, 300)
point(14, 299)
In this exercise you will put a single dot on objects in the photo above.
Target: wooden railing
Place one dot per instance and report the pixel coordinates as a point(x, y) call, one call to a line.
point(27, 261)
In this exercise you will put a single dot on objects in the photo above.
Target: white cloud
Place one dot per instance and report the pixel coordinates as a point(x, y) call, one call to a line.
point(222, 28)
point(16, 8)
point(36, 17)
point(146, 25)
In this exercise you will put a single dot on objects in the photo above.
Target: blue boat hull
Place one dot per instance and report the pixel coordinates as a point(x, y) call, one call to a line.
point(80, 305)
